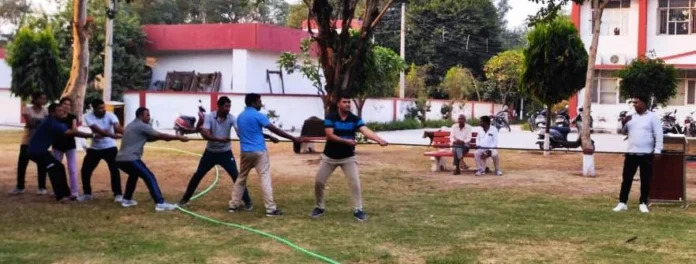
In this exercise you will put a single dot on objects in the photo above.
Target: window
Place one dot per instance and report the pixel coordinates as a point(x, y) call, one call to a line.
point(677, 17)
point(681, 94)
point(691, 91)
point(615, 18)
point(605, 88)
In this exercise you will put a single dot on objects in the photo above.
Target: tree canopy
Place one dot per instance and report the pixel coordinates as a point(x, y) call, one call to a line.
point(505, 69)
point(36, 66)
point(649, 78)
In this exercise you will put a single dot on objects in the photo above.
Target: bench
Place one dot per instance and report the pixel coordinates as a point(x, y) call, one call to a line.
point(441, 141)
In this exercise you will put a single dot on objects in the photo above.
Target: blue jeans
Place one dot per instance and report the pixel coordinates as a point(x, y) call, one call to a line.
point(137, 169)
point(208, 161)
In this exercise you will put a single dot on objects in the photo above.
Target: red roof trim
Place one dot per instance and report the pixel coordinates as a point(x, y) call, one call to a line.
point(2, 53)
point(212, 37)
point(679, 55)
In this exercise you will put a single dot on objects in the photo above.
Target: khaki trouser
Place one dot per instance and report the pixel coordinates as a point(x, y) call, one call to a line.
point(262, 164)
point(350, 169)
point(481, 162)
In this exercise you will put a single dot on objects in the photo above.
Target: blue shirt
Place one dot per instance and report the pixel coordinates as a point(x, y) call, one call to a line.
point(44, 134)
point(251, 123)
point(343, 128)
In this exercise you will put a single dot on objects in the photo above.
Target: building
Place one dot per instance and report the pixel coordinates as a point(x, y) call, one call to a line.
point(631, 28)
point(11, 106)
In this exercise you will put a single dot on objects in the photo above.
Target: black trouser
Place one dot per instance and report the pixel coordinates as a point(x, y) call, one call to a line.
point(138, 169)
point(92, 159)
point(22, 164)
point(208, 161)
point(56, 173)
point(631, 164)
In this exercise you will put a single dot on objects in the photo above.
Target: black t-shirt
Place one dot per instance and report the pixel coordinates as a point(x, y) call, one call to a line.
point(344, 129)
point(62, 142)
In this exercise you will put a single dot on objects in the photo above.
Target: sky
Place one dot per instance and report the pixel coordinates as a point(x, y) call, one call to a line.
point(521, 9)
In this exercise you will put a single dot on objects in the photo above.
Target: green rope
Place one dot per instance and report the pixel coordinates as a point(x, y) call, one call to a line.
point(246, 228)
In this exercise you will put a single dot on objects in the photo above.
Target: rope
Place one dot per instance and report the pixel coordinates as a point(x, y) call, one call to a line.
point(245, 228)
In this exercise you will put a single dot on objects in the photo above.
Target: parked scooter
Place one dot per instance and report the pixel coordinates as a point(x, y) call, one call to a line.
point(499, 120)
point(669, 123)
point(184, 124)
point(578, 120)
point(562, 118)
point(558, 138)
point(689, 125)
point(537, 121)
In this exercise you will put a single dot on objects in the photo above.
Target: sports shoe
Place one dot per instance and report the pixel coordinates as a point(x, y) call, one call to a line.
point(164, 207)
point(87, 197)
point(274, 213)
point(42, 192)
point(249, 207)
point(479, 173)
point(118, 198)
point(232, 209)
point(643, 208)
point(316, 213)
point(499, 173)
point(620, 207)
point(129, 203)
point(17, 191)
point(360, 215)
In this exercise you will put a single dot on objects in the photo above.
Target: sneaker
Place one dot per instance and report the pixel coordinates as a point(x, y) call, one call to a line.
point(456, 172)
point(42, 192)
point(620, 207)
point(88, 197)
point(17, 191)
point(643, 208)
point(274, 213)
point(182, 204)
point(499, 173)
point(360, 215)
point(249, 207)
point(232, 209)
point(316, 213)
point(479, 173)
point(129, 203)
point(164, 207)
point(66, 200)
point(118, 198)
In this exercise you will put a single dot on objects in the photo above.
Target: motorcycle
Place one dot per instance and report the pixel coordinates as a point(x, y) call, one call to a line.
point(499, 120)
point(562, 118)
point(558, 138)
point(537, 120)
point(578, 120)
point(184, 124)
point(669, 123)
point(689, 125)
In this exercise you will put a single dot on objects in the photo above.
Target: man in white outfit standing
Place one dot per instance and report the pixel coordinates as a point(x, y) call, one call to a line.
point(644, 141)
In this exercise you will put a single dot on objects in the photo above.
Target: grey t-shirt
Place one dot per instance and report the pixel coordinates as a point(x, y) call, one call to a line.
point(219, 129)
point(135, 135)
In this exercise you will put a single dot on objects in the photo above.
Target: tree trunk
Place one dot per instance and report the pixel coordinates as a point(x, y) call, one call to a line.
point(547, 134)
point(478, 95)
point(588, 168)
point(77, 84)
point(359, 104)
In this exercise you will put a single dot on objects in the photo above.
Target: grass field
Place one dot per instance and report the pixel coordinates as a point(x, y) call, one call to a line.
point(541, 211)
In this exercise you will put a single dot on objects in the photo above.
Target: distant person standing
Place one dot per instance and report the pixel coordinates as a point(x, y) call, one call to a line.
point(136, 134)
point(217, 129)
point(255, 154)
point(460, 135)
point(645, 138)
point(64, 145)
point(33, 115)
point(42, 139)
point(106, 125)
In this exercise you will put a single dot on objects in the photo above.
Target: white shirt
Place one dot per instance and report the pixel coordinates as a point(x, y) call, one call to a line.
point(487, 139)
point(463, 134)
point(644, 133)
point(107, 123)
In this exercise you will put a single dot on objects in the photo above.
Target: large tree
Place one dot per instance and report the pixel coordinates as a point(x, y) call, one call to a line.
point(36, 65)
point(505, 69)
point(341, 56)
point(448, 33)
point(79, 71)
point(550, 12)
point(381, 76)
point(650, 78)
point(554, 62)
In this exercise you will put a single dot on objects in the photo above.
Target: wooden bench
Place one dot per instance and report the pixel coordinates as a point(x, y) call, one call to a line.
point(441, 141)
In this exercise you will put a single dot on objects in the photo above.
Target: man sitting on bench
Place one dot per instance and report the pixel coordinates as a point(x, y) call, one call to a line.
point(487, 141)
point(459, 138)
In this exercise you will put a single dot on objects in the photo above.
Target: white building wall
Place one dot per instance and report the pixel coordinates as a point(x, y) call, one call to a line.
point(257, 65)
point(625, 46)
point(240, 67)
point(201, 62)
point(667, 45)
point(5, 74)
point(131, 103)
point(11, 108)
